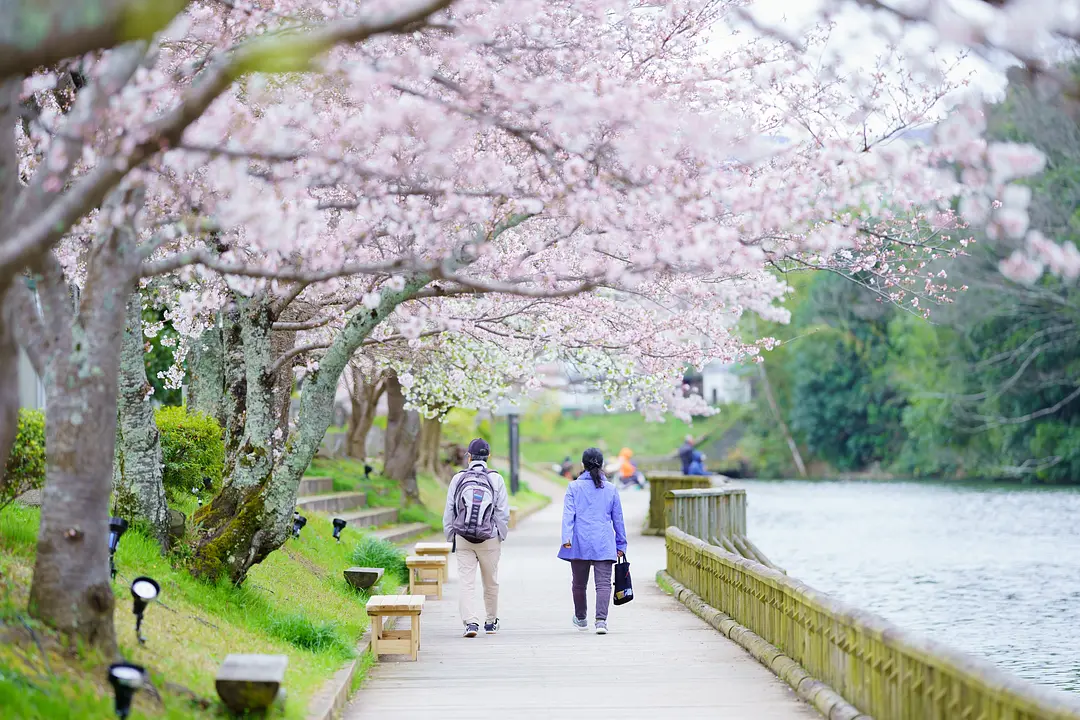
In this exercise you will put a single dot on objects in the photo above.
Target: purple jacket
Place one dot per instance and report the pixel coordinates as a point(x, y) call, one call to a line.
point(592, 521)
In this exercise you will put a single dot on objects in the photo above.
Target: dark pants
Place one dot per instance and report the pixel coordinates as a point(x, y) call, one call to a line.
point(602, 581)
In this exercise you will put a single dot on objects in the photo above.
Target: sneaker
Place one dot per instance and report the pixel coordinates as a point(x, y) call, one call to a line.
point(491, 627)
point(580, 623)
point(471, 629)
point(601, 627)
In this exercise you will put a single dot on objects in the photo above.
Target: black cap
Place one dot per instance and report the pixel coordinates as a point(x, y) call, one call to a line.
point(479, 448)
point(592, 458)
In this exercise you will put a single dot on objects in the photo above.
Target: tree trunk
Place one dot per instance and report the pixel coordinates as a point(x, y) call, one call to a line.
point(364, 397)
point(206, 388)
point(402, 441)
point(792, 445)
point(252, 514)
point(430, 445)
point(138, 488)
point(71, 589)
point(234, 405)
point(9, 384)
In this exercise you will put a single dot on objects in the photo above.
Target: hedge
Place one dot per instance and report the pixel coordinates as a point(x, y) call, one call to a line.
point(193, 450)
point(26, 464)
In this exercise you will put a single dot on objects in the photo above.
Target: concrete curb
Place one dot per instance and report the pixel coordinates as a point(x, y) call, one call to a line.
point(826, 700)
point(332, 700)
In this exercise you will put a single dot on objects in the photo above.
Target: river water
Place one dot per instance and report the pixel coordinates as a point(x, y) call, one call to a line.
point(992, 571)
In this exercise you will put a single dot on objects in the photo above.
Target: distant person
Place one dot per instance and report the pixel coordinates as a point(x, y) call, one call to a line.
point(697, 465)
point(686, 454)
point(593, 538)
point(477, 514)
point(628, 471)
point(567, 468)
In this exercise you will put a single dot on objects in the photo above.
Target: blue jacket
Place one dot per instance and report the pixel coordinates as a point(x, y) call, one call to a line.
point(592, 521)
point(696, 467)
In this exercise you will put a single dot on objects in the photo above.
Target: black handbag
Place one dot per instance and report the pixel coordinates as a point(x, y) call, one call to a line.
point(624, 589)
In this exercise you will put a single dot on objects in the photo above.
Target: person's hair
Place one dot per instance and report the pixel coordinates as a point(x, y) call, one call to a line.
point(593, 461)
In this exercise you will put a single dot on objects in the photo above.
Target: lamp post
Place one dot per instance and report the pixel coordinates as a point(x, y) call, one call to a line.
point(117, 527)
point(125, 679)
point(339, 525)
point(512, 421)
point(143, 592)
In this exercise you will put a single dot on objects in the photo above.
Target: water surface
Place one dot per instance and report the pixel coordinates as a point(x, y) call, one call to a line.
point(990, 570)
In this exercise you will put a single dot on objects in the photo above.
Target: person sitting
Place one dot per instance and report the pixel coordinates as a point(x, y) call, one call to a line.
point(628, 471)
point(567, 468)
point(697, 464)
point(686, 454)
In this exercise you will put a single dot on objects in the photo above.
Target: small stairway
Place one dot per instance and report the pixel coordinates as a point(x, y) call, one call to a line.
point(316, 494)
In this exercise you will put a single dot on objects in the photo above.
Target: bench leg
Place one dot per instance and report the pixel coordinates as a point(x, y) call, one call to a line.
point(376, 622)
point(438, 585)
point(415, 636)
point(412, 581)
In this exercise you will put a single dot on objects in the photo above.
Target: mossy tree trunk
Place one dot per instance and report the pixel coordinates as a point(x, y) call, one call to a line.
point(234, 405)
point(206, 373)
point(252, 514)
point(402, 441)
point(364, 394)
point(71, 588)
point(138, 488)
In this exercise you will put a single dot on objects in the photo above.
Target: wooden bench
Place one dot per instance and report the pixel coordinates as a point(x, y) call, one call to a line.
point(439, 549)
point(513, 516)
point(383, 610)
point(424, 572)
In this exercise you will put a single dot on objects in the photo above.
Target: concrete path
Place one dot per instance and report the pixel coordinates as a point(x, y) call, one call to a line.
point(659, 660)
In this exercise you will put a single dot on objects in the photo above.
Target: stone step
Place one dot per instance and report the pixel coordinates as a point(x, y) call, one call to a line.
point(332, 503)
point(315, 486)
point(403, 533)
point(371, 517)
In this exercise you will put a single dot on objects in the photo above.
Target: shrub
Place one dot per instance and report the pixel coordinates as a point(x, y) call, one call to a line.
point(302, 632)
point(376, 553)
point(192, 448)
point(26, 464)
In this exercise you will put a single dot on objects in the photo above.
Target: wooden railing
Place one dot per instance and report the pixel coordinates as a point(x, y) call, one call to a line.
point(877, 667)
point(717, 516)
point(660, 484)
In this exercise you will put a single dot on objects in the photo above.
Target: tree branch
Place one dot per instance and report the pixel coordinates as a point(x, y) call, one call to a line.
point(281, 54)
point(294, 352)
point(43, 36)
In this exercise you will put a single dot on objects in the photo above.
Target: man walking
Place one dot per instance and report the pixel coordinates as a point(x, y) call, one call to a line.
point(478, 514)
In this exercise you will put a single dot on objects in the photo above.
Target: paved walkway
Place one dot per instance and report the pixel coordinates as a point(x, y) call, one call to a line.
point(659, 661)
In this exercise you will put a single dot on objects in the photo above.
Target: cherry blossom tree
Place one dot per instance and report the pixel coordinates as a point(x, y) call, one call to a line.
point(584, 181)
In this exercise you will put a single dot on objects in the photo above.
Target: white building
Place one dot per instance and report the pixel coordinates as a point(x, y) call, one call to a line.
point(723, 384)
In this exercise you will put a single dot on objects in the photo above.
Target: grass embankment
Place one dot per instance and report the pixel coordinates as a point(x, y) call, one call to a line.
point(348, 475)
point(547, 438)
point(295, 603)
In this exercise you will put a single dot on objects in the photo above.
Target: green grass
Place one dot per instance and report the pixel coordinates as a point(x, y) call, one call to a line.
point(375, 553)
point(295, 603)
point(547, 439)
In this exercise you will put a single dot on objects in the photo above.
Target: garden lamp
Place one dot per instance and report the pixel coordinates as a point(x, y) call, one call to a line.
point(339, 525)
point(143, 592)
point(367, 471)
point(299, 521)
point(125, 679)
point(117, 527)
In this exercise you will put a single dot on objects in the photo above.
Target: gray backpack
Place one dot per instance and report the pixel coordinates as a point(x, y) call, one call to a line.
point(474, 507)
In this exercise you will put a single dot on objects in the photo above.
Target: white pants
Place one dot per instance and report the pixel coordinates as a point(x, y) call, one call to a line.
point(469, 555)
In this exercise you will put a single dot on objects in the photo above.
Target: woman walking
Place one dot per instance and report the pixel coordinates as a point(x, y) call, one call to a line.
point(593, 537)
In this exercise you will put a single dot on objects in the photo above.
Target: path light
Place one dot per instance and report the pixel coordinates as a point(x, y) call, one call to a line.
point(143, 592)
point(339, 525)
point(125, 679)
point(117, 527)
point(298, 523)
point(367, 471)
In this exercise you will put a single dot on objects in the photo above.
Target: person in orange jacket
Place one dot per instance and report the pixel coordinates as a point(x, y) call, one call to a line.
point(628, 472)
